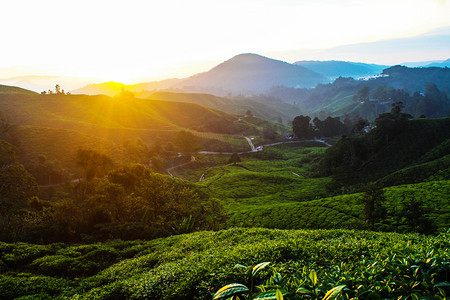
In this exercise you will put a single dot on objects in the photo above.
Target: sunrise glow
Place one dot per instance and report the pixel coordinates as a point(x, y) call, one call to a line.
point(108, 40)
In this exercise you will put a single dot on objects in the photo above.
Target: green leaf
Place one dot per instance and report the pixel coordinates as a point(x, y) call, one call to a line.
point(230, 290)
point(302, 290)
point(267, 296)
point(334, 292)
point(279, 295)
point(442, 284)
point(240, 266)
point(313, 277)
point(259, 267)
point(414, 296)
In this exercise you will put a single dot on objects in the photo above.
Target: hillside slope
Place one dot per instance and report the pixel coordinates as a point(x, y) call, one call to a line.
point(80, 112)
point(269, 111)
point(388, 154)
point(6, 89)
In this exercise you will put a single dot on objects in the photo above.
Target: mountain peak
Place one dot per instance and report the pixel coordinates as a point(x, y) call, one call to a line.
point(248, 57)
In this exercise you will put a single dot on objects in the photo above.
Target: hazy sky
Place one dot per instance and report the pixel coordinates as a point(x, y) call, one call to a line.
point(134, 40)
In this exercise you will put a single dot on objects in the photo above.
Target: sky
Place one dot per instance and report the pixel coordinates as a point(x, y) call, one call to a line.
point(133, 41)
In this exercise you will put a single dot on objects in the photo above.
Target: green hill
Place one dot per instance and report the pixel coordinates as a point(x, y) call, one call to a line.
point(269, 111)
point(415, 149)
point(194, 266)
point(69, 121)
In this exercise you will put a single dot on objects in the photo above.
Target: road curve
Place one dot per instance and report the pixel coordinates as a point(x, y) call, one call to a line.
point(250, 143)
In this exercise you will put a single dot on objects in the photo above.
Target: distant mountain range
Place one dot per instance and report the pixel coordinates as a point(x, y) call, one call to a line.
point(333, 69)
point(244, 74)
point(442, 64)
point(427, 64)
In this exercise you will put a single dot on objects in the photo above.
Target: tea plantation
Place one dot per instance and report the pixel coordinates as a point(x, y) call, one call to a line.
point(303, 265)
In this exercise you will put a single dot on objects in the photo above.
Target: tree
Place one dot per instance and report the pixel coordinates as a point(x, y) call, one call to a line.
point(269, 133)
point(186, 142)
point(234, 158)
point(359, 126)
point(16, 184)
point(301, 127)
point(373, 199)
point(362, 94)
point(93, 163)
point(58, 89)
point(248, 113)
point(137, 151)
point(415, 215)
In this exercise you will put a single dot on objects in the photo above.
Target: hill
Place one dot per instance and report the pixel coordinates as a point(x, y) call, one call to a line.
point(7, 90)
point(70, 121)
point(441, 64)
point(252, 73)
point(334, 69)
point(267, 110)
point(388, 154)
point(114, 88)
point(422, 91)
point(39, 83)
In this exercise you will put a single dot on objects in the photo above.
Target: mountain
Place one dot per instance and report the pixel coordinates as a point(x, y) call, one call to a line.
point(427, 64)
point(252, 73)
point(398, 83)
point(245, 74)
point(414, 79)
point(442, 64)
point(333, 69)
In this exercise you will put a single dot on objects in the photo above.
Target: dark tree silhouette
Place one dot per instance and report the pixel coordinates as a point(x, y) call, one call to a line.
point(93, 163)
point(301, 127)
point(186, 142)
point(373, 199)
point(234, 158)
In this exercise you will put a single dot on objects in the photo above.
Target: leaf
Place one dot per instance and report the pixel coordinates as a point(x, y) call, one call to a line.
point(259, 267)
point(302, 290)
point(313, 277)
point(414, 296)
point(442, 284)
point(279, 295)
point(267, 296)
point(334, 292)
point(240, 266)
point(230, 290)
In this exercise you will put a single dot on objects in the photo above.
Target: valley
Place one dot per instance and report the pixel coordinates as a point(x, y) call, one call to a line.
point(303, 192)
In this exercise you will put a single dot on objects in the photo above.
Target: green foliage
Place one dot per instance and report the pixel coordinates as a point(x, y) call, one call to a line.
point(186, 142)
point(380, 152)
point(373, 200)
point(93, 163)
point(313, 264)
point(301, 127)
point(234, 158)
